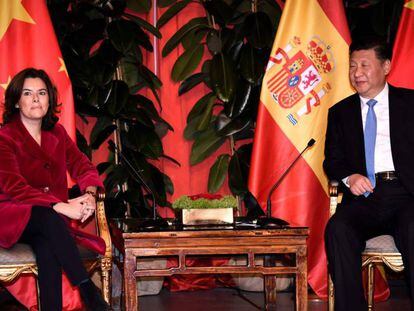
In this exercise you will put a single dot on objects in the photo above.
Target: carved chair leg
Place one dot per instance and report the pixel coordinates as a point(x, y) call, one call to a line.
point(331, 295)
point(106, 268)
point(370, 286)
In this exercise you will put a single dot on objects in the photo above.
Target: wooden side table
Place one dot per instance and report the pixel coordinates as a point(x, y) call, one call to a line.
point(132, 245)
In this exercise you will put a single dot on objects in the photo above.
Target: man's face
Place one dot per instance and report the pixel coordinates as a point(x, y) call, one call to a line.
point(368, 73)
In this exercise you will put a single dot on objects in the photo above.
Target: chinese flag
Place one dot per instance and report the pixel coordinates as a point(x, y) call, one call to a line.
point(27, 39)
point(402, 61)
point(307, 73)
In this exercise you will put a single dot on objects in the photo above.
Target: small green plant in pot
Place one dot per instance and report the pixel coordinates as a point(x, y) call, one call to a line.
point(205, 209)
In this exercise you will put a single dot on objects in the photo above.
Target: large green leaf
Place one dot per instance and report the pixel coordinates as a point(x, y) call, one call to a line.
point(152, 148)
point(118, 97)
point(169, 186)
point(191, 82)
point(144, 24)
point(258, 29)
point(214, 43)
point(226, 126)
point(187, 63)
point(83, 144)
point(125, 34)
point(148, 106)
point(222, 77)
point(101, 131)
point(239, 169)
point(143, 118)
point(251, 67)
point(218, 173)
point(190, 131)
point(200, 106)
point(141, 6)
point(240, 100)
point(172, 43)
point(206, 116)
point(108, 54)
point(193, 37)
point(220, 10)
point(165, 3)
point(171, 12)
point(204, 145)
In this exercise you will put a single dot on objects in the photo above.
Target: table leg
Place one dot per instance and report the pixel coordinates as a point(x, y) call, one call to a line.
point(130, 283)
point(270, 284)
point(302, 280)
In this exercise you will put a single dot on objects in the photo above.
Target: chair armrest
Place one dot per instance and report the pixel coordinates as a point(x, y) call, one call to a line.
point(333, 196)
point(102, 227)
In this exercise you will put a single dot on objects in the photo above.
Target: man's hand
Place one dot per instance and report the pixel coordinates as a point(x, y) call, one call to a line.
point(359, 184)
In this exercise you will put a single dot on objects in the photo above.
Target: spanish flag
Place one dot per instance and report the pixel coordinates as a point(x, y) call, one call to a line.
point(402, 61)
point(27, 39)
point(307, 73)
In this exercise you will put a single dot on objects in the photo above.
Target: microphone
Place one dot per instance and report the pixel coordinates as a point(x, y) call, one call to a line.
point(270, 221)
point(152, 223)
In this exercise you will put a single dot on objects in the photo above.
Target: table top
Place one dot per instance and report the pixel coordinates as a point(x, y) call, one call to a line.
point(131, 227)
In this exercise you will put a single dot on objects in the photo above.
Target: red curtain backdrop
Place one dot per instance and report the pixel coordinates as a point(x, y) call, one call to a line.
point(403, 61)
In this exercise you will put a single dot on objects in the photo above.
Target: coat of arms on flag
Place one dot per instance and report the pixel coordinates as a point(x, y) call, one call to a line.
point(300, 76)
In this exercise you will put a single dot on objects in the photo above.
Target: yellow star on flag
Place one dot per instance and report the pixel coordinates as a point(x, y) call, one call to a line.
point(4, 85)
point(12, 10)
point(410, 5)
point(63, 66)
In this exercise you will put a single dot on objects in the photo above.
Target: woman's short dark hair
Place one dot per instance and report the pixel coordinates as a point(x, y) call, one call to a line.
point(14, 92)
point(380, 46)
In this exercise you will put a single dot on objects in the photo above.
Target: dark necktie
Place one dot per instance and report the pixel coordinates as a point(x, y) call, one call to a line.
point(370, 135)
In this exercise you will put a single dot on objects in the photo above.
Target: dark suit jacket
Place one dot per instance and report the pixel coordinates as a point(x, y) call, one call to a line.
point(344, 146)
point(36, 175)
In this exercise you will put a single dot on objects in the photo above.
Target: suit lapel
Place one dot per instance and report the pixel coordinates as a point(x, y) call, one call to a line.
point(397, 115)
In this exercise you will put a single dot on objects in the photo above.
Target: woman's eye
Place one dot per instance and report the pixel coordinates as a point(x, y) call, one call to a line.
point(43, 93)
point(26, 93)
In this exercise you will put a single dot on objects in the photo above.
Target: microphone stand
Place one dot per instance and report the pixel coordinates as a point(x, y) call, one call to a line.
point(155, 222)
point(270, 221)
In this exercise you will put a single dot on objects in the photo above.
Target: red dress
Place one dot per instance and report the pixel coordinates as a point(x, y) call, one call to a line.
point(36, 175)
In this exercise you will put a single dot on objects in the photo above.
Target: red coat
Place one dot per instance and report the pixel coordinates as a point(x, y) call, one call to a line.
point(36, 175)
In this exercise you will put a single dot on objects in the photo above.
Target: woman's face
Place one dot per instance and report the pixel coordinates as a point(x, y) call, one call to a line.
point(34, 100)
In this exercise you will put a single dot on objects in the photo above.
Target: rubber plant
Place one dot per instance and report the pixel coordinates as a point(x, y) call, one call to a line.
point(235, 37)
point(103, 45)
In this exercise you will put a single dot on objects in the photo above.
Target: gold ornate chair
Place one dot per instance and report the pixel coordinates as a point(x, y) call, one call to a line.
point(378, 251)
point(20, 258)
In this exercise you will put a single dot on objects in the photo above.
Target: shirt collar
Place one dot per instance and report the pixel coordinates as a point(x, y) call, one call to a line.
point(380, 98)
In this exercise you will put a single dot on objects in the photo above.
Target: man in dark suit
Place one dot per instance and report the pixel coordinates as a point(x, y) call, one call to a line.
point(370, 148)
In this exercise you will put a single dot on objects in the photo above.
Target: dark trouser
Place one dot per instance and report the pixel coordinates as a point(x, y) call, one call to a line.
point(389, 210)
point(54, 248)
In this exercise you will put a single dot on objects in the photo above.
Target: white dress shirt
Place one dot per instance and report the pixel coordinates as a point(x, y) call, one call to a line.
point(383, 155)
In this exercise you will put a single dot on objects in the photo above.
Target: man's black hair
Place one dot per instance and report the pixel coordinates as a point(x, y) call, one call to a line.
point(382, 49)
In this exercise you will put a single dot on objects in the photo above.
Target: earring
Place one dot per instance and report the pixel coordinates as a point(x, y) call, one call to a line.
point(17, 106)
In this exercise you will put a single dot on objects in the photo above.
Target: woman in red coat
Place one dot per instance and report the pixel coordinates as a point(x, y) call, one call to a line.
point(35, 154)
